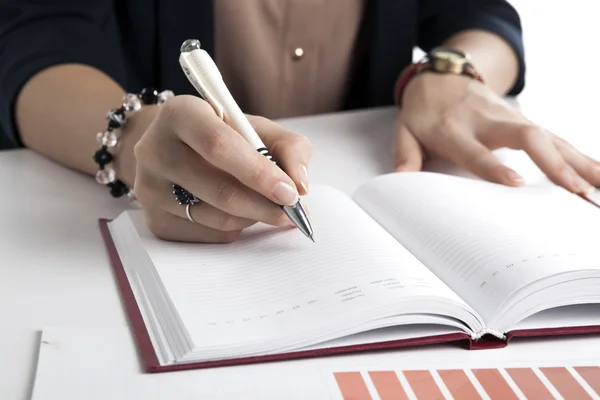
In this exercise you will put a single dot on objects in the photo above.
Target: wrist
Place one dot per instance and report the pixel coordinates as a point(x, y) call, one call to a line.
point(124, 162)
point(431, 86)
point(115, 140)
point(492, 54)
point(441, 62)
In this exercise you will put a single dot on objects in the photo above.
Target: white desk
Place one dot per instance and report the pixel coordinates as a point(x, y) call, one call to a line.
point(54, 270)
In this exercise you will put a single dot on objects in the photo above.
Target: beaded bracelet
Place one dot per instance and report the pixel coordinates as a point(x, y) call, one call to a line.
point(108, 139)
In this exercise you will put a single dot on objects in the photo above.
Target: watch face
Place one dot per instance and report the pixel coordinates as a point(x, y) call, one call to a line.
point(448, 60)
point(449, 55)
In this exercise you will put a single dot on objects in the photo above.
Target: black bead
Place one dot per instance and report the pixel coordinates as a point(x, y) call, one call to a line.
point(118, 189)
point(116, 119)
point(103, 157)
point(112, 124)
point(120, 113)
point(149, 96)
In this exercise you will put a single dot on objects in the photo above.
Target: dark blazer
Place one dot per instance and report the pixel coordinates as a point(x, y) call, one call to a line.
point(137, 42)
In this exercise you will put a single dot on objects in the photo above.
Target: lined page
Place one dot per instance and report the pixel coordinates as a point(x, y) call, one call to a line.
point(484, 240)
point(275, 284)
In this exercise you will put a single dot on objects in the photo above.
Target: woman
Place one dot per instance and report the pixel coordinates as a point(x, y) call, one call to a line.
point(66, 64)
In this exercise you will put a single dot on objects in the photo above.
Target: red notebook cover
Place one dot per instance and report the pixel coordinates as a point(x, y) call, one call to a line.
point(152, 364)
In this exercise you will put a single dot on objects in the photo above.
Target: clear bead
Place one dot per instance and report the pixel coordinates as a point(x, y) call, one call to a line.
point(100, 137)
point(131, 196)
point(107, 138)
point(106, 176)
point(164, 96)
point(132, 102)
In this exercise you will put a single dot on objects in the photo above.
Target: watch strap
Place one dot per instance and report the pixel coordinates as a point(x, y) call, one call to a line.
point(417, 68)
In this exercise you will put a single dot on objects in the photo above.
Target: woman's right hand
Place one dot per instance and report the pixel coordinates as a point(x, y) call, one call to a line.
point(189, 145)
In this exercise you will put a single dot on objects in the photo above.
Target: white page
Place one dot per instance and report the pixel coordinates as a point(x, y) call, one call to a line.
point(577, 315)
point(276, 286)
point(486, 241)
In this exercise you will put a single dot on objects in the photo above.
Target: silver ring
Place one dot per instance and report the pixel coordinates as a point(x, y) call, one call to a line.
point(188, 214)
point(186, 199)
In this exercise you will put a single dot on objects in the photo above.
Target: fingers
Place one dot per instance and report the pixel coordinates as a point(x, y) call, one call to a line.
point(467, 152)
point(478, 159)
point(408, 155)
point(207, 215)
point(585, 166)
point(541, 148)
point(214, 187)
point(291, 150)
point(563, 165)
point(195, 123)
point(188, 145)
point(157, 194)
point(170, 227)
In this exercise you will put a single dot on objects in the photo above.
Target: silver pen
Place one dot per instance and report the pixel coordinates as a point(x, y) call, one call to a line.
point(204, 75)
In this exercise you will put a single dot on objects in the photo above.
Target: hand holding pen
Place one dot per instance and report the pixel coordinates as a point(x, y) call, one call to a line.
point(204, 75)
point(187, 144)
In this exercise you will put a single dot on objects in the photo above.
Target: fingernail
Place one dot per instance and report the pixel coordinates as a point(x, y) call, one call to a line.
point(581, 186)
point(285, 194)
point(514, 177)
point(304, 178)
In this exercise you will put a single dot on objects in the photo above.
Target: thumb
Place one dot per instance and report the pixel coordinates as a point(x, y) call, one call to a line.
point(407, 150)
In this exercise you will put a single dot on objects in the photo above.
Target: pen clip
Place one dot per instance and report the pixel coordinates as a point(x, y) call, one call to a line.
point(190, 67)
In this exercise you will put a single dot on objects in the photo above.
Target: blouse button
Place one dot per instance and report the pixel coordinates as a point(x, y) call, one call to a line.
point(298, 53)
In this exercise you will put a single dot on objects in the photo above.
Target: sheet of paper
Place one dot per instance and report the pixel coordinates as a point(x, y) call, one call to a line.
point(87, 363)
point(101, 363)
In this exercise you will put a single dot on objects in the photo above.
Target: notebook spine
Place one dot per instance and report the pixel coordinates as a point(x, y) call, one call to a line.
point(488, 331)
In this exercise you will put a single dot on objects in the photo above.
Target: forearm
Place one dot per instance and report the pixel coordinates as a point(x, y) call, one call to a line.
point(492, 56)
point(60, 110)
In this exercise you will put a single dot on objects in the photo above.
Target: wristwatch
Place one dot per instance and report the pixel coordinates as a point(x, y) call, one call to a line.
point(439, 60)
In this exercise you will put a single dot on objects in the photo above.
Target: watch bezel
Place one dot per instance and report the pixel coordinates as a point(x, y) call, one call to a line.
point(448, 65)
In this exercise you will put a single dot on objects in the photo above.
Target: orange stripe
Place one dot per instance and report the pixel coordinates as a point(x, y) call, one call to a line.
point(423, 385)
point(352, 386)
point(459, 384)
point(494, 384)
point(388, 386)
point(591, 375)
point(564, 382)
point(529, 383)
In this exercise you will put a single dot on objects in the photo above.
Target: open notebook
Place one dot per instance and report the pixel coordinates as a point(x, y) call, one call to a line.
point(411, 259)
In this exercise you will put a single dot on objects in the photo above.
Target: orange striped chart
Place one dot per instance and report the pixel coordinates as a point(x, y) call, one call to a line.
point(569, 383)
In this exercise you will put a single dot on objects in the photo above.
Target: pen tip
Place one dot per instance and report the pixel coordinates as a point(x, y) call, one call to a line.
point(312, 238)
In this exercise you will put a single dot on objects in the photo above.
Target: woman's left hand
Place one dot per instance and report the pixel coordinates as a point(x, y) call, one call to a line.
point(461, 119)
